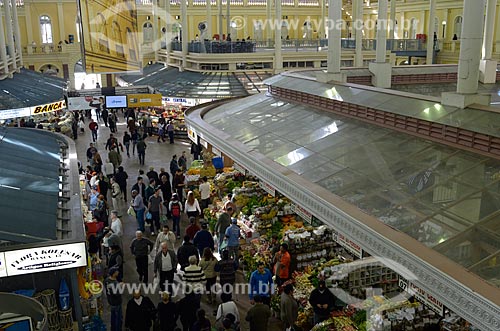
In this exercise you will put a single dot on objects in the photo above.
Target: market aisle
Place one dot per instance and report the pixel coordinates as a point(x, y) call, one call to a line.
point(158, 155)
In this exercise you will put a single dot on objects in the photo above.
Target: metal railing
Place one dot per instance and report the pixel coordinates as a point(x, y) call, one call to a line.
point(393, 45)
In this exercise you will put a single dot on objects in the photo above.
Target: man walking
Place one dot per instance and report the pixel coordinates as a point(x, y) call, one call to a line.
point(93, 126)
point(121, 178)
point(170, 131)
point(258, 316)
point(233, 241)
point(261, 283)
point(139, 207)
point(141, 150)
point(155, 206)
point(140, 248)
point(165, 265)
point(113, 294)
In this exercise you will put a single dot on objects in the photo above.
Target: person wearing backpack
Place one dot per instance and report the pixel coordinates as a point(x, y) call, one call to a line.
point(227, 272)
point(175, 208)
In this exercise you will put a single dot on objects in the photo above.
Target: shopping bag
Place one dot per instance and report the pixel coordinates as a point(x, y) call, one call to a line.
point(131, 211)
point(149, 216)
point(163, 219)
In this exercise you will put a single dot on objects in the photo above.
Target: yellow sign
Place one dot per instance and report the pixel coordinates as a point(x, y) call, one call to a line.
point(110, 36)
point(50, 107)
point(143, 100)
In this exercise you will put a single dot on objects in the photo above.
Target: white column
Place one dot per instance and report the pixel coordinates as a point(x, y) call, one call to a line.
point(322, 3)
point(10, 34)
point(60, 22)
point(156, 45)
point(334, 35)
point(29, 27)
point(269, 32)
point(470, 44)
point(430, 36)
point(184, 34)
point(469, 58)
point(278, 58)
point(3, 50)
point(221, 30)
point(209, 19)
point(381, 70)
point(487, 67)
point(17, 32)
point(393, 20)
point(334, 44)
point(168, 30)
point(358, 26)
point(381, 32)
point(228, 18)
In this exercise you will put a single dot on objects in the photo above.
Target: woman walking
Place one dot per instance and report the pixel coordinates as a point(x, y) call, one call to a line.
point(192, 207)
point(207, 264)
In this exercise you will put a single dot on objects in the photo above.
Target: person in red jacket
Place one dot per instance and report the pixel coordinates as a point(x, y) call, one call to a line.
point(93, 126)
point(192, 228)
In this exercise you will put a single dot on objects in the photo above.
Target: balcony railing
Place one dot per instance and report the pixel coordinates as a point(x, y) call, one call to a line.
point(393, 45)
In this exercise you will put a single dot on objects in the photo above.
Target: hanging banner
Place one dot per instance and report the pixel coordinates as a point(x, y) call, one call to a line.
point(3, 267)
point(48, 108)
point(82, 103)
point(144, 100)
point(110, 36)
point(348, 244)
point(40, 259)
point(304, 214)
point(268, 188)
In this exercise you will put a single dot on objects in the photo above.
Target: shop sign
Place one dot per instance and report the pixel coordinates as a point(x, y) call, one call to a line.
point(203, 143)
point(14, 113)
point(304, 214)
point(3, 267)
point(216, 152)
point(239, 168)
point(348, 244)
point(421, 295)
point(182, 101)
point(268, 188)
point(192, 134)
point(144, 100)
point(48, 108)
point(40, 259)
point(82, 103)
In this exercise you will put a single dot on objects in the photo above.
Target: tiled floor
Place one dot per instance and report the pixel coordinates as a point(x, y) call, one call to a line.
point(157, 155)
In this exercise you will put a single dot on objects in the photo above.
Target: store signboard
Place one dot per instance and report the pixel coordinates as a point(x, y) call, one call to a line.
point(180, 101)
point(30, 111)
point(82, 103)
point(40, 259)
point(304, 214)
point(15, 113)
point(203, 143)
point(268, 188)
point(48, 108)
point(192, 134)
point(3, 267)
point(421, 295)
point(348, 244)
point(216, 152)
point(144, 100)
point(240, 168)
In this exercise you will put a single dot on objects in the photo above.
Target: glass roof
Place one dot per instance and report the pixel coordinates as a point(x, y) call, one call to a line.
point(469, 118)
point(444, 197)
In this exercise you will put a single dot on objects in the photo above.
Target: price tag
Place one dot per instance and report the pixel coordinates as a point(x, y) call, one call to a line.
point(403, 283)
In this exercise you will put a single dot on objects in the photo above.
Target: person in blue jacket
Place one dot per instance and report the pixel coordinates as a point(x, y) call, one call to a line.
point(203, 239)
point(233, 239)
point(261, 283)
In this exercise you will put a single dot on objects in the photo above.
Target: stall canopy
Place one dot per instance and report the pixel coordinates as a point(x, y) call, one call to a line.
point(29, 185)
point(30, 88)
point(170, 82)
point(446, 198)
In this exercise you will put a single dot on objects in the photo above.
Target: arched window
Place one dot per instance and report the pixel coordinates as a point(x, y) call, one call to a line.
point(457, 27)
point(307, 30)
point(147, 32)
point(131, 42)
point(413, 29)
point(257, 30)
point(284, 30)
point(46, 29)
point(117, 38)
